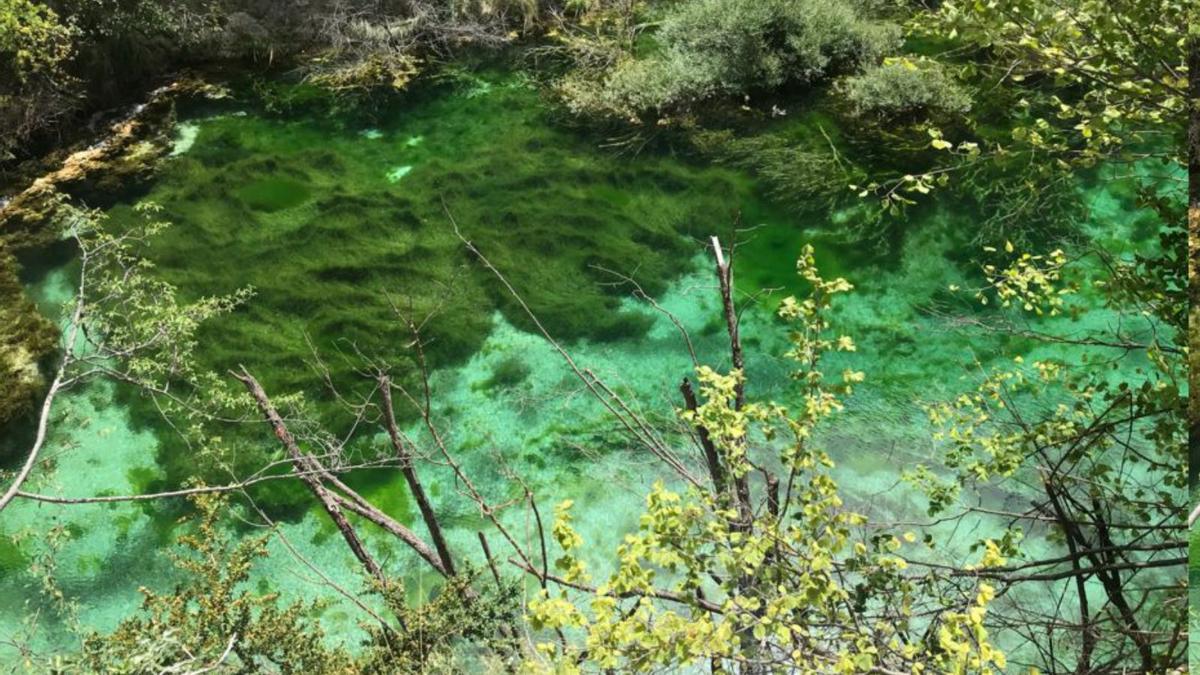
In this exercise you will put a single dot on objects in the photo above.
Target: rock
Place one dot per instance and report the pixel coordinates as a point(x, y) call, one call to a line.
point(398, 172)
point(128, 152)
point(26, 340)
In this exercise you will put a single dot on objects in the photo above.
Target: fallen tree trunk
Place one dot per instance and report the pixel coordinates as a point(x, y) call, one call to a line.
point(307, 467)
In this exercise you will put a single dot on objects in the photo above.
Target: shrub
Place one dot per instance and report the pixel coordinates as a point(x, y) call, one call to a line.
point(35, 46)
point(706, 48)
point(904, 87)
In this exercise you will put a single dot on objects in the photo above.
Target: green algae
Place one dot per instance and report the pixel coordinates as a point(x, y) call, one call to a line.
point(342, 248)
point(12, 558)
point(507, 373)
point(273, 194)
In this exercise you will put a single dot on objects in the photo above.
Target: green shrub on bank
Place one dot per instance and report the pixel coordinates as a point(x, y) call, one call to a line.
point(904, 87)
point(35, 45)
point(707, 48)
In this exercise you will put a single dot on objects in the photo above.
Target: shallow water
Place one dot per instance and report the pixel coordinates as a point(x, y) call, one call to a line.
point(339, 226)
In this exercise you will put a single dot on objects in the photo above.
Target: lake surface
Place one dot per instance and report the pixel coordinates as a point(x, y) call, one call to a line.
point(343, 229)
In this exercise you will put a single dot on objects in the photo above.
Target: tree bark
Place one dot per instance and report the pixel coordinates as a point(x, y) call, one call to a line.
point(741, 485)
point(410, 476)
point(1193, 153)
point(725, 277)
point(711, 458)
point(309, 470)
point(362, 507)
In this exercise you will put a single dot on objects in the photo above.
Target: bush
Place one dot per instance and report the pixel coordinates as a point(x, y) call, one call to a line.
point(35, 46)
point(904, 87)
point(706, 48)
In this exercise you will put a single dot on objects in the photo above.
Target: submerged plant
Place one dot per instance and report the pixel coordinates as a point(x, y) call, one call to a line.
point(794, 173)
point(26, 340)
point(506, 373)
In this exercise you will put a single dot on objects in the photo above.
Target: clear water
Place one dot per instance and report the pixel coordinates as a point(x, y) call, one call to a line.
point(335, 225)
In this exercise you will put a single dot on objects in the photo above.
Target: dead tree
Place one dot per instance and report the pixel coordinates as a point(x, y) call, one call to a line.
point(334, 495)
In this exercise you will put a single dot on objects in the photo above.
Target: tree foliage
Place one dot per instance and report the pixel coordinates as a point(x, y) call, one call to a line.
point(1100, 77)
point(211, 620)
point(795, 581)
point(1070, 85)
point(1107, 454)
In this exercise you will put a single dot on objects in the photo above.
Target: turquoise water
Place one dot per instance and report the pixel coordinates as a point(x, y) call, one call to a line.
point(339, 225)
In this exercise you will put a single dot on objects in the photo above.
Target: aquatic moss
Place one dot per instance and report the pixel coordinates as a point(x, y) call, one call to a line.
point(12, 558)
point(799, 173)
point(340, 255)
point(506, 373)
point(273, 194)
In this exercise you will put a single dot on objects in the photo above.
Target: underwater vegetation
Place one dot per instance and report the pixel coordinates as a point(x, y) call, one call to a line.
point(324, 223)
point(346, 235)
point(344, 228)
point(508, 372)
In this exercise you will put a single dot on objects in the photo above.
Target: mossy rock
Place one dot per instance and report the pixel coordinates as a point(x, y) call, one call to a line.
point(27, 339)
point(97, 171)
